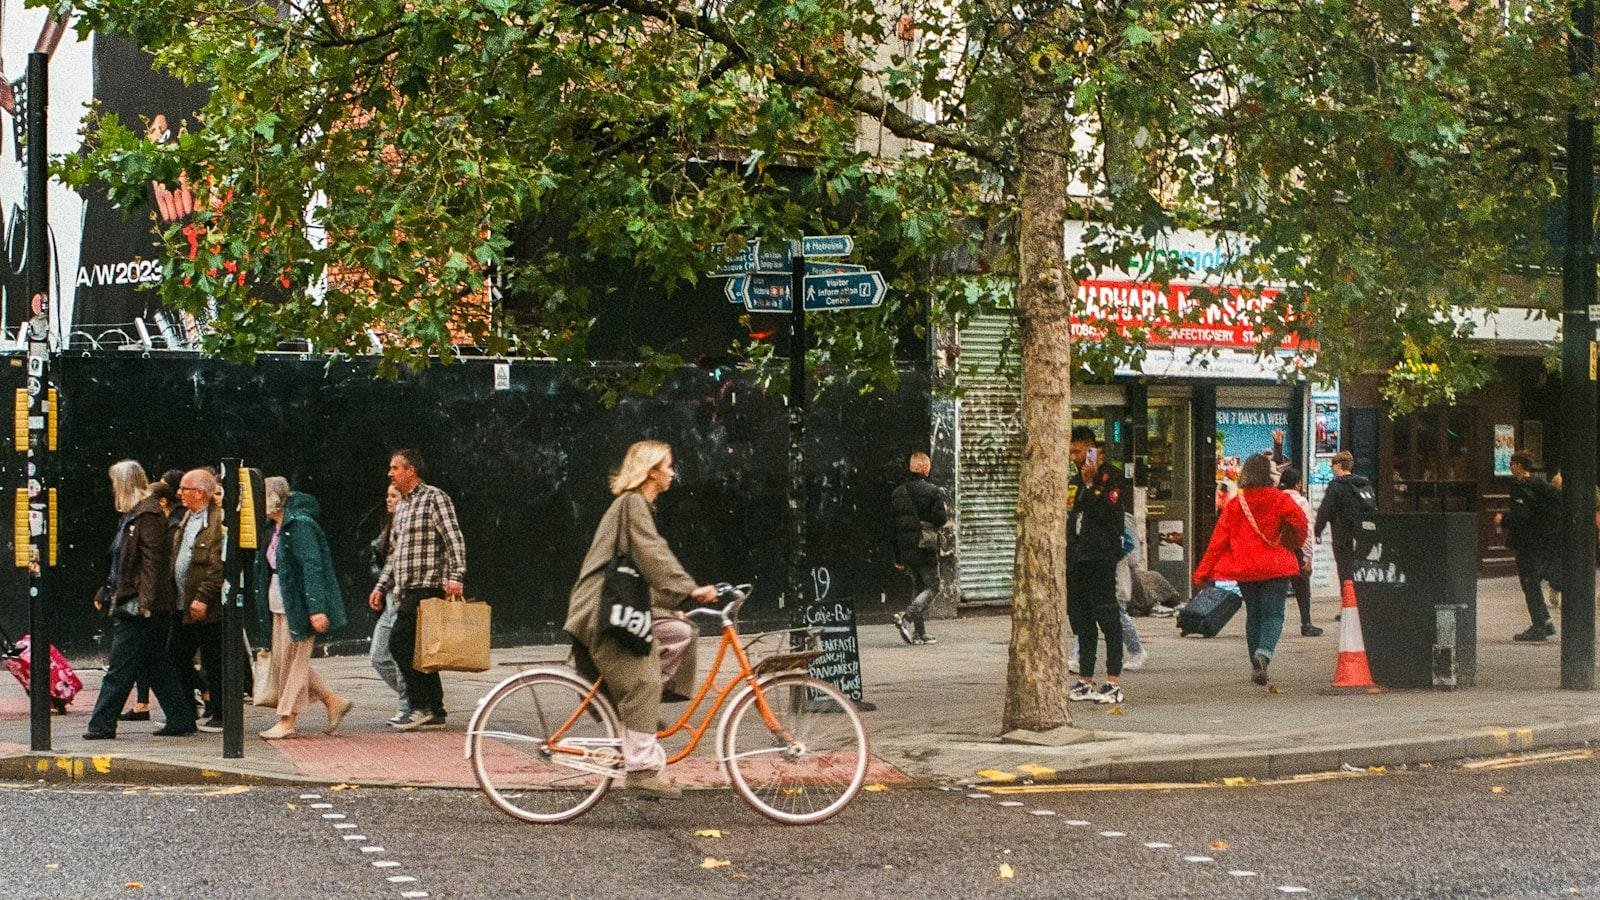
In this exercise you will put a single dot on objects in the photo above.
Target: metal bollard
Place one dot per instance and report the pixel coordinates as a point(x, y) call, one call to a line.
point(1444, 644)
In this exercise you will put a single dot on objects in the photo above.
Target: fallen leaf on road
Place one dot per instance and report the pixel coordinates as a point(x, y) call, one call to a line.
point(739, 875)
point(887, 867)
point(342, 787)
point(52, 865)
point(996, 775)
point(1498, 789)
point(1219, 845)
point(792, 792)
point(1378, 770)
point(1273, 689)
point(1006, 871)
point(134, 885)
point(1234, 782)
point(1114, 711)
point(708, 832)
point(292, 805)
point(711, 862)
point(876, 788)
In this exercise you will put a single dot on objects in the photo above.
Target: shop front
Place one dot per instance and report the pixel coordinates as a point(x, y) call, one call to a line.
point(1180, 425)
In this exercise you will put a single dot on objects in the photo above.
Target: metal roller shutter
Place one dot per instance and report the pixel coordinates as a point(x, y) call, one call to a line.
point(990, 433)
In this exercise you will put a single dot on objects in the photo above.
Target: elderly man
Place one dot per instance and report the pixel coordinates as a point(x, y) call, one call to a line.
point(427, 558)
point(197, 571)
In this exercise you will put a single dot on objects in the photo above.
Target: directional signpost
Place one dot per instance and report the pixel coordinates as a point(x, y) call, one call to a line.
point(768, 281)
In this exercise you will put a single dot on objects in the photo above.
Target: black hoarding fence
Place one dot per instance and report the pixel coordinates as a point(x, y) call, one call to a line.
point(526, 465)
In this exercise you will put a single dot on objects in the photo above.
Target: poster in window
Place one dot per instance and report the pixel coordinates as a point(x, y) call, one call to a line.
point(1505, 444)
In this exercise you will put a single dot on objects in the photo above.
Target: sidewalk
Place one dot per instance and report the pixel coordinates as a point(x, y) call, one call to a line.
point(1191, 714)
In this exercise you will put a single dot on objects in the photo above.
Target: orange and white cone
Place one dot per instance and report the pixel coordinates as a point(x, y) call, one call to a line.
point(1351, 675)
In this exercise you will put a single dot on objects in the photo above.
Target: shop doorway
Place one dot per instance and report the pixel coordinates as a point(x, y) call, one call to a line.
point(1169, 498)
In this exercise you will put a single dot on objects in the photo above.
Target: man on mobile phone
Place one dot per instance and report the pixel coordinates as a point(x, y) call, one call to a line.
point(1094, 546)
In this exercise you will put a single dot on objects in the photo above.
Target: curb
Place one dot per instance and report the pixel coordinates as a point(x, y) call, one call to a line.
point(1226, 767)
point(72, 768)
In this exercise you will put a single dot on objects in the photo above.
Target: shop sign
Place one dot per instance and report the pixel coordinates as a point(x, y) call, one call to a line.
point(1174, 316)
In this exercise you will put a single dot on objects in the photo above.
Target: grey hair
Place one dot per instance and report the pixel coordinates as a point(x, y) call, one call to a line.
point(129, 484)
point(277, 493)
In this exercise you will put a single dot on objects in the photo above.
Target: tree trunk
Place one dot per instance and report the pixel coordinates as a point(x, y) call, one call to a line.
point(1036, 676)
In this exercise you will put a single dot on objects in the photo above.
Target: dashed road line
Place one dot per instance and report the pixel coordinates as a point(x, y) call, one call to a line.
point(348, 832)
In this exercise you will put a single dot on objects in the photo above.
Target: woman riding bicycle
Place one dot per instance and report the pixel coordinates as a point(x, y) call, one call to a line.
point(634, 682)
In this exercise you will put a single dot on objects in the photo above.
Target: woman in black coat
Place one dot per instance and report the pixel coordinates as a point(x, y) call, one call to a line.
point(143, 600)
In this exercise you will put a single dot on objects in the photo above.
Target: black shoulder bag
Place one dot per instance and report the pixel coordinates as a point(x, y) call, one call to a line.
point(625, 599)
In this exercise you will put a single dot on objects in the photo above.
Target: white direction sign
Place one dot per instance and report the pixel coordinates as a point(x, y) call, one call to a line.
point(847, 290)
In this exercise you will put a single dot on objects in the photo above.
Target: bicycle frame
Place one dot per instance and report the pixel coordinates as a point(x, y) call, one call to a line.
point(746, 675)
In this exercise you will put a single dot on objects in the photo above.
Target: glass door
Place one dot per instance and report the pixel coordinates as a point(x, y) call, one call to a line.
point(1170, 498)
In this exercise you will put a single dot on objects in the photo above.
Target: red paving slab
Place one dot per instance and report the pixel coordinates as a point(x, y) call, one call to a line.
point(14, 702)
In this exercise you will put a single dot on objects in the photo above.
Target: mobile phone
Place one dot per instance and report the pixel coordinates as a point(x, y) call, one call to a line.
point(1091, 457)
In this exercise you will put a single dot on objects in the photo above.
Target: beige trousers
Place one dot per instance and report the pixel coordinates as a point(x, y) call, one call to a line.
point(292, 679)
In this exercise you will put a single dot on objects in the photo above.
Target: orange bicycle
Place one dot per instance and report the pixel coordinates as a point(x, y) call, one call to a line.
point(545, 745)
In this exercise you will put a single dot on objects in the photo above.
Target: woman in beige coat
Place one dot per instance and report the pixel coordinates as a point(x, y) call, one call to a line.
point(635, 682)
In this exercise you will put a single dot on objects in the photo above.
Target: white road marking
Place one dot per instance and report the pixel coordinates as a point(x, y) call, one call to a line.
point(1042, 812)
point(355, 837)
point(1293, 889)
point(370, 849)
point(1198, 859)
point(1157, 845)
point(1241, 873)
point(345, 825)
point(385, 864)
point(1011, 803)
point(414, 895)
point(1113, 834)
point(310, 796)
point(977, 796)
point(322, 806)
point(1077, 823)
point(401, 879)
point(333, 815)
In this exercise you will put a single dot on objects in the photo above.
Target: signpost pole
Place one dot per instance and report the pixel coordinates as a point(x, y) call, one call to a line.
point(231, 693)
point(41, 524)
point(1578, 382)
point(798, 505)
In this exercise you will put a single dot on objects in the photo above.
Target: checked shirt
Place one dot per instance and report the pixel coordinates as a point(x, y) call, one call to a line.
point(427, 547)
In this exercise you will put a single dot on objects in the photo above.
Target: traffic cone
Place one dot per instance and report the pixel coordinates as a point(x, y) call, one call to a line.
point(1351, 676)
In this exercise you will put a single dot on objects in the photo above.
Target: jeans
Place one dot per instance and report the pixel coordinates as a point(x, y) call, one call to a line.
point(138, 647)
point(1532, 571)
point(924, 586)
point(382, 659)
point(424, 690)
point(1302, 590)
point(1092, 608)
point(1263, 614)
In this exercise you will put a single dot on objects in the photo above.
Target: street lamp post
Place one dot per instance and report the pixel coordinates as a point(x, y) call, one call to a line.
point(1578, 362)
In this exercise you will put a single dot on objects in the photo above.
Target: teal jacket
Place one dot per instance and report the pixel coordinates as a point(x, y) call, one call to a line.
point(305, 572)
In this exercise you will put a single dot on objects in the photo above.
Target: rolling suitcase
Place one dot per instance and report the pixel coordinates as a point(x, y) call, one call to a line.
point(1208, 612)
point(64, 681)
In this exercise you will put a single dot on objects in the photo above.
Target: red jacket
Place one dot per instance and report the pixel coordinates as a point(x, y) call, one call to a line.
point(1238, 553)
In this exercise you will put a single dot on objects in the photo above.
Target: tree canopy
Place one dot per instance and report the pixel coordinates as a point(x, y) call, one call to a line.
point(1386, 163)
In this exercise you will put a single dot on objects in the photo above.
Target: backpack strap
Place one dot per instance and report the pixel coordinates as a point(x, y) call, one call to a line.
point(1250, 517)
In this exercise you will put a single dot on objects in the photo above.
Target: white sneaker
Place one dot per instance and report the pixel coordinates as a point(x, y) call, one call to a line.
point(1135, 660)
point(1072, 664)
point(1160, 610)
point(1108, 693)
point(420, 720)
point(1083, 690)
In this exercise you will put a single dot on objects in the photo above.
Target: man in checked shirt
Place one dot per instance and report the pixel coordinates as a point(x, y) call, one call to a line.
point(427, 558)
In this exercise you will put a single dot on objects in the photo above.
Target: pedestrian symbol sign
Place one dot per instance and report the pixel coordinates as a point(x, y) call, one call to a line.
point(848, 290)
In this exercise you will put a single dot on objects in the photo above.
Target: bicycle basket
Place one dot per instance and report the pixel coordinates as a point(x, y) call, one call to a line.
point(785, 650)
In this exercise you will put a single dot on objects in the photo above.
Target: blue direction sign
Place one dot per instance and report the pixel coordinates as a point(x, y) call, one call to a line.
point(741, 264)
point(827, 245)
point(733, 289)
point(831, 268)
point(767, 293)
point(849, 290)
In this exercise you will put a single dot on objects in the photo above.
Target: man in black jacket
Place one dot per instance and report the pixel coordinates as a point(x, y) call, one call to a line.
point(1094, 546)
point(917, 506)
point(1345, 505)
point(1533, 533)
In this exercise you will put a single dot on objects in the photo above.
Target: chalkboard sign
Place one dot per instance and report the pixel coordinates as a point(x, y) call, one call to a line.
point(840, 662)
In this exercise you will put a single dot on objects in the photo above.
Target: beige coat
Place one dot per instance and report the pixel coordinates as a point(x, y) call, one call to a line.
point(633, 682)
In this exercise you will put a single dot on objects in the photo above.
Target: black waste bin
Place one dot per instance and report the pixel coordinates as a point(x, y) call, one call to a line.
point(1417, 588)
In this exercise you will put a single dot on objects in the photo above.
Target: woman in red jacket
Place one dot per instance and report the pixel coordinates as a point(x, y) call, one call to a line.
point(1253, 545)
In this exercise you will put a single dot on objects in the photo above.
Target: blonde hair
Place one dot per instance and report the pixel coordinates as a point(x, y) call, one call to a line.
point(276, 489)
point(637, 464)
point(129, 484)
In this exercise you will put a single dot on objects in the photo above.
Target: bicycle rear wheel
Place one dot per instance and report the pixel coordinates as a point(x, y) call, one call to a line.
point(526, 771)
point(804, 765)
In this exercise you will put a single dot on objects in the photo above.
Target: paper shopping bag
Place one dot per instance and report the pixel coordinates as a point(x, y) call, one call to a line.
point(452, 636)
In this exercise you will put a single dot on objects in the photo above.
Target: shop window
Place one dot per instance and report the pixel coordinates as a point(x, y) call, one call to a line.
point(1431, 466)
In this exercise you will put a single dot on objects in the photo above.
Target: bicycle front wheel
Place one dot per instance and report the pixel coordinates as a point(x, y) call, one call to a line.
point(802, 758)
point(541, 753)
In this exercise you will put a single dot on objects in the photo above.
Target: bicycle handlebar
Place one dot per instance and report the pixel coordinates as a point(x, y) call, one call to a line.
point(731, 597)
